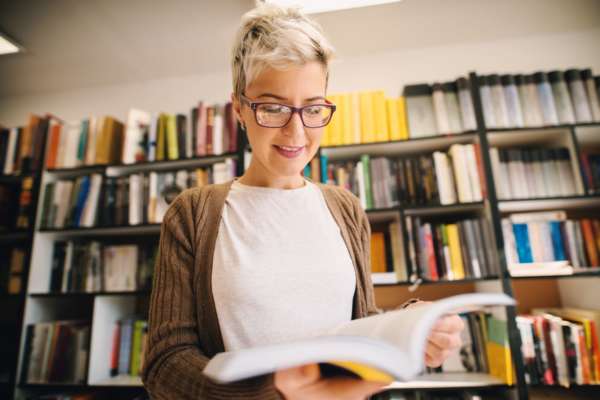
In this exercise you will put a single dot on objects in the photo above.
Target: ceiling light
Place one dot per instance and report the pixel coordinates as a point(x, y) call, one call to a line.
point(319, 6)
point(8, 46)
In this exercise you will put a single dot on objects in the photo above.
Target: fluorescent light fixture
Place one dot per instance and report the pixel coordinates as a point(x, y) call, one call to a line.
point(319, 6)
point(8, 46)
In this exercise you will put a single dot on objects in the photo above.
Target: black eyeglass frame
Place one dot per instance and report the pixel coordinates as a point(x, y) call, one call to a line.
point(254, 105)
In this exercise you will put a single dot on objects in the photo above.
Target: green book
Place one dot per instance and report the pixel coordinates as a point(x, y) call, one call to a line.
point(136, 347)
point(366, 164)
point(83, 137)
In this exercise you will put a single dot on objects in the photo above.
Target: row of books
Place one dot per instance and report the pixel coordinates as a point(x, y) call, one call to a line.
point(208, 130)
point(549, 236)
point(12, 268)
point(128, 346)
point(591, 171)
point(560, 346)
point(56, 352)
point(451, 251)
point(21, 148)
point(438, 178)
point(440, 109)
point(143, 198)
point(484, 348)
point(521, 173)
point(96, 267)
point(540, 99)
point(365, 117)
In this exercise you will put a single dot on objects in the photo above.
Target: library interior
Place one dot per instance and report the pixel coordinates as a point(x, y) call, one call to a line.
point(170, 229)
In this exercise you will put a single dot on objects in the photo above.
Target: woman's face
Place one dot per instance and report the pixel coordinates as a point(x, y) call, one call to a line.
point(295, 86)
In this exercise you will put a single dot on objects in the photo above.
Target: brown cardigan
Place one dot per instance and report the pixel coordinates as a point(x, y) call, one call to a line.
point(183, 330)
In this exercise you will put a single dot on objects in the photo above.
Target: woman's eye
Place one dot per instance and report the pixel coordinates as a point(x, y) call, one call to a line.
point(315, 110)
point(273, 109)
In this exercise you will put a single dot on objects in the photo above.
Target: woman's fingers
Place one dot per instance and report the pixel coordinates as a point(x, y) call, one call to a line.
point(449, 324)
point(445, 341)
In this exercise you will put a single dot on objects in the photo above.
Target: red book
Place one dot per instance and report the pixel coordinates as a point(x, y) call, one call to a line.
point(201, 130)
point(477, 149)
point(55, 131)
point(210, 114)
point(431, 264)
point(114, 356)
point(590, 243)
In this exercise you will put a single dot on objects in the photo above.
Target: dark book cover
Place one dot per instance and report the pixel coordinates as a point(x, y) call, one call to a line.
point(4, 135)
point(181, 124)
point(39, 138)
point(194, 125)
point(389, 258)
point(438, 245)
point(468, 267)
point(58, 262)
point(484, 262)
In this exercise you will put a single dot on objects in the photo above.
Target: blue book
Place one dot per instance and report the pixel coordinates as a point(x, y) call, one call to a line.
point(324, 176)
point(557, 241)
point(307, 171)
point(81, 198)
point(522, 241)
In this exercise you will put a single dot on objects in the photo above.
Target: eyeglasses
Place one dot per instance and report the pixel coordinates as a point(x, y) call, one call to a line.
point(275, 115)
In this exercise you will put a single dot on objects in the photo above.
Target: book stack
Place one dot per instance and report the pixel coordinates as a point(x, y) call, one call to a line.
point(439, 109)
point(438, 178)
point(143, 198)
point(484, 348)
point(560, 346)
point(56, 352)
point(94, 267)
point(365, 117)
point(451, 251)
point(209, 130)
point(388, 263)
point(12, 266)
point(21, 149)
point(590, 162)
point(539, 99)
point(90, 141)
point(545, 237)
point(522, 173)
point(128, 347)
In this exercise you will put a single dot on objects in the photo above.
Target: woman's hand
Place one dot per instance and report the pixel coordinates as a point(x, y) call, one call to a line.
point(305, 382)
point(443, 339)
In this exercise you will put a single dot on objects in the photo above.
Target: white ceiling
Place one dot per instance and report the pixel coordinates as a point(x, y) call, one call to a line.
point(83, 43)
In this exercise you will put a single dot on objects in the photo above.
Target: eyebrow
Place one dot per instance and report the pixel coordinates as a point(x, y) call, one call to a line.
point(283, 98)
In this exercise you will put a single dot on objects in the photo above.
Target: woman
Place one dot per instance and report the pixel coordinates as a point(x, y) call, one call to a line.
point(270, 256)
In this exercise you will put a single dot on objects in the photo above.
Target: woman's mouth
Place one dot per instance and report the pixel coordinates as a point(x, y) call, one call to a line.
point(289, 151)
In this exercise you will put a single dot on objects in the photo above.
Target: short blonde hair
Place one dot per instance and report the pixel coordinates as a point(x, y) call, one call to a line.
point(276, 37)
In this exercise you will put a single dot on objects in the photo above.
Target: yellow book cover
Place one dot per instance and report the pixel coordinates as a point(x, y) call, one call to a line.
point(402, 119)
point(498, 351)
point(356, 124)
point(334, 124)
point(347, 126)
point(380, 111)
point(172, 147)
point(458, 269)
point(325, 137)
point(367, 119)
point(378, 252)
point(385, 347)
point(392, 119)
point(102, 143)
point(161, 132)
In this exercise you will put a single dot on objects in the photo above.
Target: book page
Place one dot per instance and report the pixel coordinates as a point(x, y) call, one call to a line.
point(409, 328)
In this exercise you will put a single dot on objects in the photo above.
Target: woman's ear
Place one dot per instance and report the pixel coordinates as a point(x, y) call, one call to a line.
point(237, 109)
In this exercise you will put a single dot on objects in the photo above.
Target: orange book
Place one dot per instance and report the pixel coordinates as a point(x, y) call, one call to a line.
point(55, 132)
point(590, 243)
point(378, 252)
point(480, 170)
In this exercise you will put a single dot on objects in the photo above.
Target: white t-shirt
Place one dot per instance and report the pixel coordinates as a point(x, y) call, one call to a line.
point(281, 269)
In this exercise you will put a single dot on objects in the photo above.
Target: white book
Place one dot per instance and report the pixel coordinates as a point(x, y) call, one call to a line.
point(398, 251)
point(553, 268)
point(571, 237)
point(445, 181)
point(536, 241)
point(488, 107)
point(67, 266)
point(441, 113)
point(72, 132)
point(469, 151)
point(152, 138)
point(502, 187)
point(523, 218)
point(510, 245)
point(61, 199)
point(189, 137)
point(181, 178)
point(9, 162)
point(163, 180)
point(385, 347)
point(461, 174)
point(152, 197)
point(135, 199)
point(382, 278)
point(361, 184)
point(120, 267)
point(499, 104)
point(218, 130)
point(138, 122)
point(90, 208)
point(539, 185)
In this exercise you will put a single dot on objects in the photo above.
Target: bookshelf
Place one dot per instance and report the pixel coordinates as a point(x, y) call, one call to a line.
point(103, 309)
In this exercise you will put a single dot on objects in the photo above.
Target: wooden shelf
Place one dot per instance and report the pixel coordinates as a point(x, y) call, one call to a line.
point(90, 294)
point(549, 203)
point(123, 230)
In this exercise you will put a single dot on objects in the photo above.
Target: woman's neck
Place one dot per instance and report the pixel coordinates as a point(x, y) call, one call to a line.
point(256, 176)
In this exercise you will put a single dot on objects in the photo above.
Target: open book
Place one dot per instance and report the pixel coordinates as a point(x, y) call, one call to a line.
point(385, 348)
